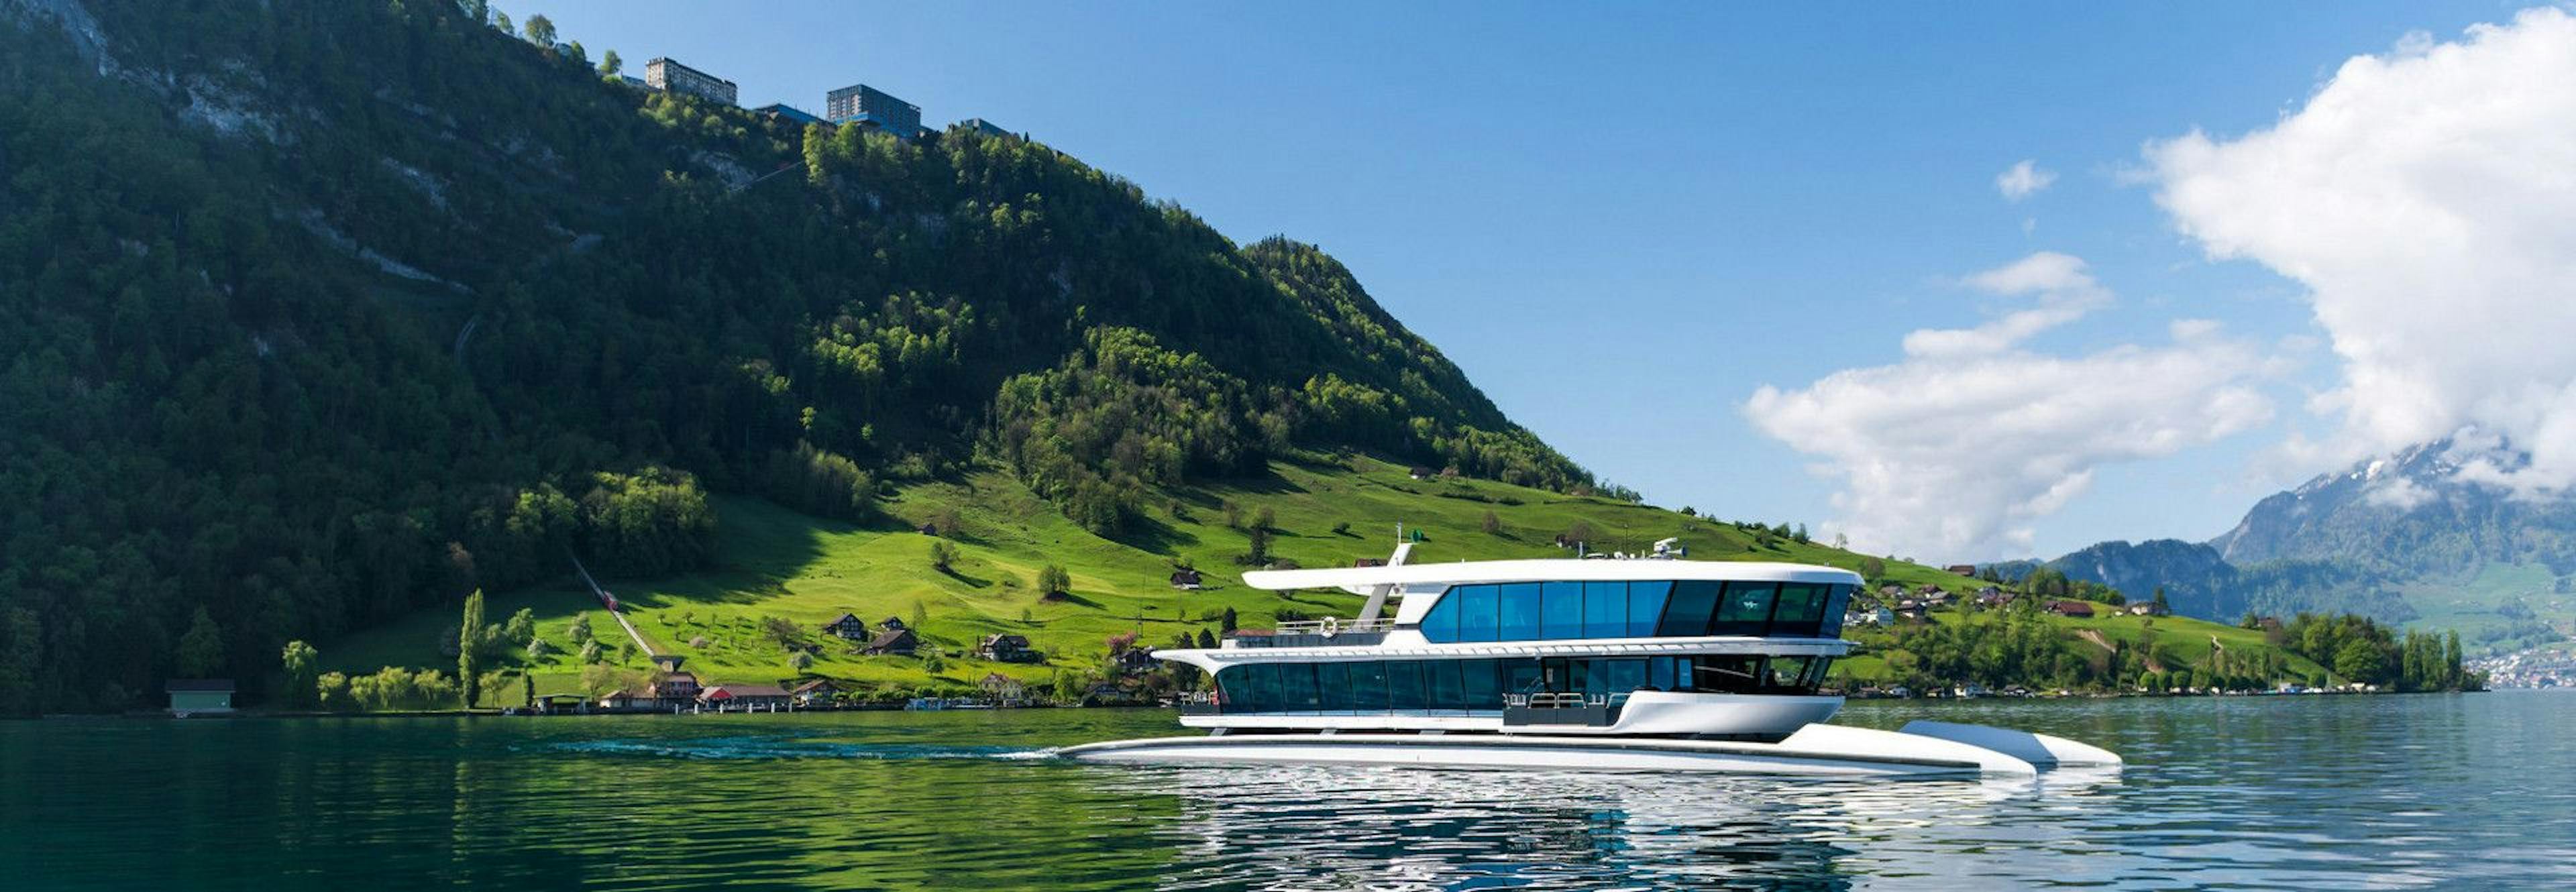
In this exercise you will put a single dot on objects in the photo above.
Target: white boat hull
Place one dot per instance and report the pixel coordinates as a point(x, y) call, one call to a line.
point(1816, 751)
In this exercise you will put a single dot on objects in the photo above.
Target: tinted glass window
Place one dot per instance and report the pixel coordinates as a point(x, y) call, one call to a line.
point(1483, 691)
point(1801, 611)
point(1445, 692)
point(1441, 624)
point(1687, 612)
point(1476, 613)
point(1332, 682)
point(1605, 609)
point(1660, 673)
point(1784, 673)
point(1836, 604)
point(1645, 607)
point(1368, 686)
point(1745, 610)
point(1561, 610)
point(1726, 674)
point(1404, 685)
point(1520, 612)
point(1622, 676)
point(1297, 687)
point(1521, 677)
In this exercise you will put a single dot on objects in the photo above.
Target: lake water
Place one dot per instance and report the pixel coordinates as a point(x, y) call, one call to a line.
point(2468, 791)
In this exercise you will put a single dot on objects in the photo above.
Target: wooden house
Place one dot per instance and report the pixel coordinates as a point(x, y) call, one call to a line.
point(1187, 579)
point(848, 628)
point(2076, 609)
point(898, 641)
point(1007, 648)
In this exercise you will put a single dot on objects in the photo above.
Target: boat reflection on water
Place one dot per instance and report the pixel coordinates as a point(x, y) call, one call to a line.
point(1308, 826)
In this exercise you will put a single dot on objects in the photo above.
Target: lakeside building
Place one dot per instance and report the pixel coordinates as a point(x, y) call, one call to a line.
point(745, 696)
point(863, 103)
point(199, 696)
point(670, 76)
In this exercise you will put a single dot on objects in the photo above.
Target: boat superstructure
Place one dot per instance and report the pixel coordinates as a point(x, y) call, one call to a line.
point(1645, 663)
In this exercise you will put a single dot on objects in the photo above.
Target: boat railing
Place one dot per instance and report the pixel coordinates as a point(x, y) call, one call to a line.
point(1329, 626)
point(1326, 632)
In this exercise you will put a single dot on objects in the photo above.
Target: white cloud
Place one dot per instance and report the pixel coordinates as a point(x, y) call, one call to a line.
point(2023, 180)
point(2066, 292)
point(2427, 199)
point(1952, 453)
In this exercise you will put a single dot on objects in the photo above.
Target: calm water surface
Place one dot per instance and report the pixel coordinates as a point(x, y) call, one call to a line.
point(2429, 791)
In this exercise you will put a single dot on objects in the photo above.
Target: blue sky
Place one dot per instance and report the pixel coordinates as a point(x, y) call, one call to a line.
point(1623, 220)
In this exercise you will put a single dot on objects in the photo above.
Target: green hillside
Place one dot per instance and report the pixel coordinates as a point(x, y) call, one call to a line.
point(776, 563)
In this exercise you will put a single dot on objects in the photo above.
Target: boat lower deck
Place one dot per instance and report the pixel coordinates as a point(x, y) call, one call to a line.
point(1817, 750)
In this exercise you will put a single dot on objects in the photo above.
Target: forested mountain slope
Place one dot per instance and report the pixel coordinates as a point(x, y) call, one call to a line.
point(317, 313)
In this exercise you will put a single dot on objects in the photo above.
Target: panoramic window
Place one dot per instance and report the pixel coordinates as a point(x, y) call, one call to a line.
point(1555, 611)
point(1462, 687)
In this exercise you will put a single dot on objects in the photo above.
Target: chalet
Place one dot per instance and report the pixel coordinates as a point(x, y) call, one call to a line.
point(1133, 660)
point(2149, 608)
point(1186, 579)
point(746, 696)
point(928, 529)
point(1991, 596)
point(898, 641)
point(891, 624)
point(1419, 472)
point(1910, 608)
point(2076, 609)
point(1935, 598)
point(1926, 589)
point(820, 691)
point(1003, 689)
point(199, 696)
point(848, 628)
point(1962, 569)
point(675, 687)
point(1891, 592)
point(1006, 648)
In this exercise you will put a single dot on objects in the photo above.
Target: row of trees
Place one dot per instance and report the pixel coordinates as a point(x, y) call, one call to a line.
point(2360, 649)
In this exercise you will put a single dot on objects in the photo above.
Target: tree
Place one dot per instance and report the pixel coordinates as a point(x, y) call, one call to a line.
point(579, 629)
point(933, 664)
point(300, 662)
point(945, 522)
point(1206, 640)
point(942, 555)
point(332, 692)
point(2160, 597)
point(590, 652)
point(800, 661)
point(1491, 524)
point(1053, 580)
point(1872, 569)
point(1266, 519)
point(2359, 661)
point(1228, 624)
point(527, 690)
point(469, 648)
point(501, 20)
point(610, 64)
point(538, 649)
point(1259, 540)
point(201, 650)
point(541, 31)
point(521, 628)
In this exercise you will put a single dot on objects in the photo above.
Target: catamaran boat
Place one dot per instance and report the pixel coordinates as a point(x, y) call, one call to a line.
point(1647, 663)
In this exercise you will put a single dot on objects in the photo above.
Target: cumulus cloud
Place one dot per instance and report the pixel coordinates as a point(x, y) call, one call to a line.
point(2023, 180)
point(2426, 197)
point(1953, 453)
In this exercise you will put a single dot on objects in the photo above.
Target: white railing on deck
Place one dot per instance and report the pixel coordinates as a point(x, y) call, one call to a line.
point(1329, 626)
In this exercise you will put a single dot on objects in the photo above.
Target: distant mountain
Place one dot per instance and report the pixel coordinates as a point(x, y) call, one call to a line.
point(2409, 515)
point(2359, 540)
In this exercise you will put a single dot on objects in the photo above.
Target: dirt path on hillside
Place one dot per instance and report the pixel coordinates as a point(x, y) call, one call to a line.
point(2095, 636)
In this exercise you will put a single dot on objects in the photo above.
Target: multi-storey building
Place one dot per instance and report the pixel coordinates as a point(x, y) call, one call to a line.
point(672, 77)
point(860, 102)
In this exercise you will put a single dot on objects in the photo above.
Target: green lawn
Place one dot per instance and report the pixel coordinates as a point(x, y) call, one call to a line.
point(773, 562)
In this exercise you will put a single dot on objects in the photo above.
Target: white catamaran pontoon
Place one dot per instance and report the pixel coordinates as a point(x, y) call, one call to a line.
point(1614, 664)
